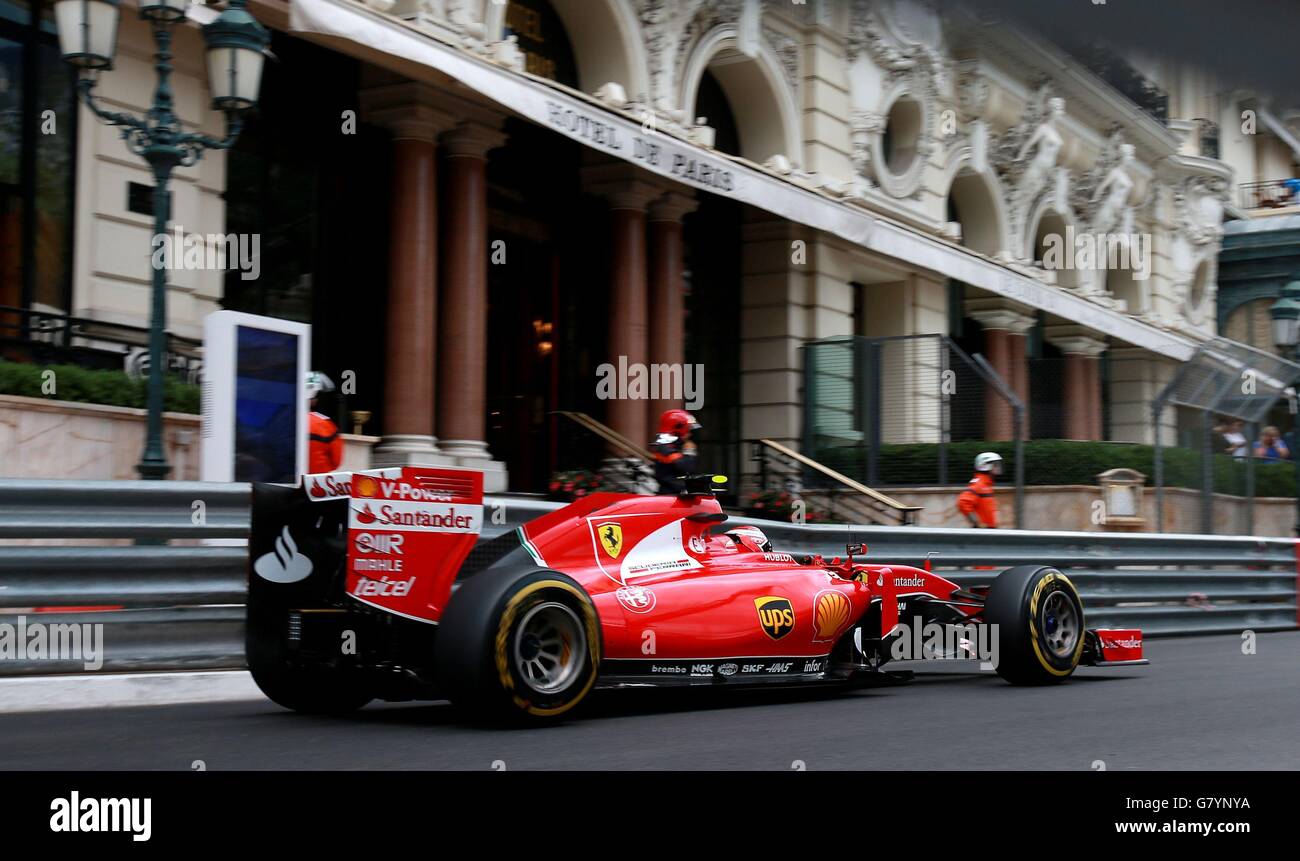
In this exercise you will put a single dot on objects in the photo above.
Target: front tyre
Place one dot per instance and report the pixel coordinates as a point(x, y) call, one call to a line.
point(522, 645)
point(1040, 624)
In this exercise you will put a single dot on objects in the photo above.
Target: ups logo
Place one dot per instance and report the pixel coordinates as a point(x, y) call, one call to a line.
point(775, 615)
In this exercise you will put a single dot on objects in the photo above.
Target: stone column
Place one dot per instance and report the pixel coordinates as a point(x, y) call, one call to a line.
point(629, 195)
point(1006, 325)
point(462, 331)
point(667, 299)
point(409, 110)
point(1082, 394)
point(1092, 379)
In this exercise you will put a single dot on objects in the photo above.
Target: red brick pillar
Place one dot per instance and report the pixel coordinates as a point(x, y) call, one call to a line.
point(1005, 328)
point(998, 416)
point(667, 337)
point(1018, 368)
point(408, 422)
point(1082, 382)
point(629, 195)
point(1077, 403)
point(462, 333)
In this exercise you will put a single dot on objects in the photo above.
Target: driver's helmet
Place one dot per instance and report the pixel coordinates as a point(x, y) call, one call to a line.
point(317, 383)
point(673, 424)
point(989, 461)
point(750, 538)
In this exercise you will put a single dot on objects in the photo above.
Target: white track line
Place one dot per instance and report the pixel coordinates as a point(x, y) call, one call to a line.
point(108, 690)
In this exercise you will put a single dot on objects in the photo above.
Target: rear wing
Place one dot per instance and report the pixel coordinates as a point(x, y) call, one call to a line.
point(392, 539)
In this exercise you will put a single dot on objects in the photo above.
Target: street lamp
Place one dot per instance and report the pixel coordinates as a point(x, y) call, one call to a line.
point(1286, 335)
point(236, 43)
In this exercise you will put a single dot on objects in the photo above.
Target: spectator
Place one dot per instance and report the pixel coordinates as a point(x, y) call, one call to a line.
point(1235, 440)
point(1270, 447)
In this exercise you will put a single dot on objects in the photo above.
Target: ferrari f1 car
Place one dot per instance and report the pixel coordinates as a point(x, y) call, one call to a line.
point(374, 585)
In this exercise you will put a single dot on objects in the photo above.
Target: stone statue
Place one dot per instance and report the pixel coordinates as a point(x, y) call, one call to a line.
point(1112, 195)
point(1045, 144)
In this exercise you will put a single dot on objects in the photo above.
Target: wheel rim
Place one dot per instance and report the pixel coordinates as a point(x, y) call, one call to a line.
point(1060, 624)
point(549, 645)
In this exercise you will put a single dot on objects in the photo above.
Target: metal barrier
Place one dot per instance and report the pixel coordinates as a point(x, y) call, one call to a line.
point(168, 607)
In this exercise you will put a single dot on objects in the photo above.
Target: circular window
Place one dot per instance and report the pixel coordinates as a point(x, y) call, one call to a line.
point(902, 133)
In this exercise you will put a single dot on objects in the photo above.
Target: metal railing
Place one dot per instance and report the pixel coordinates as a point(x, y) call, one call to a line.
point(168, 607)
point(844, 497)
point(874, 405)
point(1270, 194)
point(49, 337)
point(615, 439)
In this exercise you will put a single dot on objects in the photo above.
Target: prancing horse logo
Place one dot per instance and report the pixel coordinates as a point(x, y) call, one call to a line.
point(611, 538)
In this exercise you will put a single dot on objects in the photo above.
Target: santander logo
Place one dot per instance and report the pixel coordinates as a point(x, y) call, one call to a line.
point(284, 564)
point(326, 486)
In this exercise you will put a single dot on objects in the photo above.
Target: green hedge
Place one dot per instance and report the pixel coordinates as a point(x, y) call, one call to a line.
point(82, 385)
point(1052, 461)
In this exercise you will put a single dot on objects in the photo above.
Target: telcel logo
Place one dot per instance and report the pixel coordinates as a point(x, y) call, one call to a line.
point(383, 543)
point(384, 587)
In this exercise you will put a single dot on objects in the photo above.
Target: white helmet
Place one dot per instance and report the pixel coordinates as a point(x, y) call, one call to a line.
point(750, 538)
point(317, 383)
point(988, 461)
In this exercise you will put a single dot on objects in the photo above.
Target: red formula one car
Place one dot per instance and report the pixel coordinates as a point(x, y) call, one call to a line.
point(374, 585)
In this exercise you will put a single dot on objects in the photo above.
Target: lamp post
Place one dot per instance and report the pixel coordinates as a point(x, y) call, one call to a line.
point(235, 43)
point(1286, 335)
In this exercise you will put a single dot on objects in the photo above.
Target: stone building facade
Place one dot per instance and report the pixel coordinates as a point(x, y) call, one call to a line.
point(537, 188)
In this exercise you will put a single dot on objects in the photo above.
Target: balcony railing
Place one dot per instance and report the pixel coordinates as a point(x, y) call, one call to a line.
point(1112, 68)
point(45, 337)
point(1270, 194)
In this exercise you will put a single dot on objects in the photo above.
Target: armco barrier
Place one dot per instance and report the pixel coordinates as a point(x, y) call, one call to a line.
point(169, 607)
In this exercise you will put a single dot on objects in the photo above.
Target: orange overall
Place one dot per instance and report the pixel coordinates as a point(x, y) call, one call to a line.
point(978, 498)
point(325, 447)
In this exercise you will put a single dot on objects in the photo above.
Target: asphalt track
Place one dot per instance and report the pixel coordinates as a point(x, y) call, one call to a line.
point(1201, 705)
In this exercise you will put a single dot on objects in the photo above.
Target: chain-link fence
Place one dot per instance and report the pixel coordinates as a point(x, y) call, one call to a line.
point(1225, 408)
point(909, 410)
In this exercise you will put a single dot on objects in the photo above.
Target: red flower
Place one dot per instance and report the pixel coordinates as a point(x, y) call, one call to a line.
point(579, 492)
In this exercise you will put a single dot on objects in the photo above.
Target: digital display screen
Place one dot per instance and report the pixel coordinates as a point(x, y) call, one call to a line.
point(268, 387)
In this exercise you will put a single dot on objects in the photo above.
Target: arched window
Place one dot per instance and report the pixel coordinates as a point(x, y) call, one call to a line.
point(542, 39)
point(1051, 249)
point(971, 204)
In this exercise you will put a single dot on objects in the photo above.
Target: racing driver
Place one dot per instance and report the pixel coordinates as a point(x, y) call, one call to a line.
point(674, 451)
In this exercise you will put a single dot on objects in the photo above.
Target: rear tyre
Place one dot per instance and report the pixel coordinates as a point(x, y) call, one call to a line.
point(302, 688)
point(1040, 624)
point(520, 646)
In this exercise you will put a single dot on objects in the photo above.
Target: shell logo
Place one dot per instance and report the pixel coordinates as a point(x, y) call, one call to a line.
point(830, 613)
point(366, 486)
